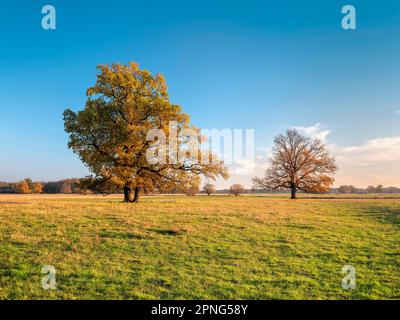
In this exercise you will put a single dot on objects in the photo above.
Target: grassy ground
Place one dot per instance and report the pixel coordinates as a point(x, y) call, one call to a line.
point(217, 247)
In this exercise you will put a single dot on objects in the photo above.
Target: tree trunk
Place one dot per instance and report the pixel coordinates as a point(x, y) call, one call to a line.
point(127, 194)
point(137, 195)
point(293, 191)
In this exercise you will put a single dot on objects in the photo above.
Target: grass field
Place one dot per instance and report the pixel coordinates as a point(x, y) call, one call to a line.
point(218, 247)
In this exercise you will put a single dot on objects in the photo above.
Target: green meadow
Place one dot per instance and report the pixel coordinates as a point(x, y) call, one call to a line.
point(202, 247)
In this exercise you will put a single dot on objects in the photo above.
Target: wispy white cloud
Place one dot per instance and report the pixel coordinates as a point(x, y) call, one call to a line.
point(371, 152)
point(244, 166)
point(250, 167)
point(316, 131)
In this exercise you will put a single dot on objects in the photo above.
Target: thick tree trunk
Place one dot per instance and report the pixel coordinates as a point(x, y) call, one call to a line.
point(137, 195)
point(293, 191)
point(127, 194)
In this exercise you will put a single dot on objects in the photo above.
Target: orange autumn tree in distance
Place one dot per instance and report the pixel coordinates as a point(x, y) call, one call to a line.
point(23, 187)
point(37, 187)
point(298, 163)
point(110, 135)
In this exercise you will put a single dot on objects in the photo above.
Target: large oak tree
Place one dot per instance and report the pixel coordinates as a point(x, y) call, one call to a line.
point(298, 163)
point(110, 135)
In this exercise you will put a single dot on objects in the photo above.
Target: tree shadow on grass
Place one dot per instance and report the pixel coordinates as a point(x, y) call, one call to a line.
point(168, 232)
point(122, 235)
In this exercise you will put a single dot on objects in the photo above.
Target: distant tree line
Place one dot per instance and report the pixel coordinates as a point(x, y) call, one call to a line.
point(81, 186)
point(27, 186)
point(370, 189)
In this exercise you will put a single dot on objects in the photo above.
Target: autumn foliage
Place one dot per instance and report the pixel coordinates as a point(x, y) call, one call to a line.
point(23, 187)
point(110, 134)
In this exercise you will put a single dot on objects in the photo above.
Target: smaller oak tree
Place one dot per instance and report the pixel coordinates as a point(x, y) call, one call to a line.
point(37, 187)
point(209, 188)
point(379, 188)
point(347, 189)
point(23, 187)
point(298, 163)
point(236, 189)
point(370, 189)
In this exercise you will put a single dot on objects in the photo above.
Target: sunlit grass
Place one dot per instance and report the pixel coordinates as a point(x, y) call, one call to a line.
point(218, 247)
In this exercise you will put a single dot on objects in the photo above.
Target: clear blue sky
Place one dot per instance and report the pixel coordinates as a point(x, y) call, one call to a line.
point(265, 65)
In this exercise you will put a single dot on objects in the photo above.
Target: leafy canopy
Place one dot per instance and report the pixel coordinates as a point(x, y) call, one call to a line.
point(109, 135)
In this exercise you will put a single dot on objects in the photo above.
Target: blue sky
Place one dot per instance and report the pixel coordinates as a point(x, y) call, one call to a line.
point(266, 65)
